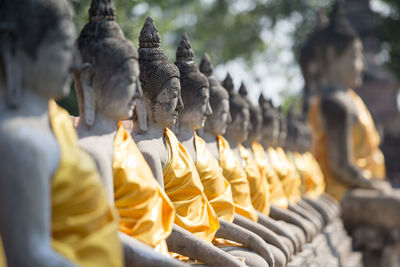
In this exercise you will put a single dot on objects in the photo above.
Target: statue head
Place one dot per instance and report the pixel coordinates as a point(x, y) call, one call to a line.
point(270, 122)
point(108, 82)
point(37, 50)
point(159, 78)
point(256, 119)
point(282, 127)
point(294, 131)
point(337, 51)
point(194, 88)
point(238, 129)
point(218, 121)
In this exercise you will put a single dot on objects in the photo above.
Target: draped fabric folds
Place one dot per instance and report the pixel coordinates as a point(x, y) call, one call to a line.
point(145, 211)
point(183, 186)
point(365, 145)
point(277, 195)
point(84, 228)
point(216, 187)
point(236, 176)
point(287, 173)
point(259, 188)
point(313, 179)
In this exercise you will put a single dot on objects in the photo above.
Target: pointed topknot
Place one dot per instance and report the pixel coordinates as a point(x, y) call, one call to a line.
point(206, 66)
point(101, 10)
point(261, 100)
point(339, 21)
point(228, 83)
point(149, 37)
point(243, 89)
point(184, 52)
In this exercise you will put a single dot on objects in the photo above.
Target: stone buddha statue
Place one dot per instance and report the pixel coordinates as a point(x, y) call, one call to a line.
point(107, 89)
point(195, 96)
point(59, 214)
point(345, 140)
point(279, 202)
point(195, 221)
point(349, 139)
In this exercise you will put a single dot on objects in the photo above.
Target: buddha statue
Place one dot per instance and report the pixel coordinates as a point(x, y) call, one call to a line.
point(195, 220)
point(279, 202)
point(195, 96)
point(345, 140)
point(54, 211)
point(107, 89)
point(349, 139)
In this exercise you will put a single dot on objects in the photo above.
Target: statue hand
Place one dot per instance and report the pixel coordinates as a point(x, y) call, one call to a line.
point(380, 185)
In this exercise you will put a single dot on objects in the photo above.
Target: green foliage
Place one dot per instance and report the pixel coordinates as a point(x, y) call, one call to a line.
point(226, 29)
point(390, 26)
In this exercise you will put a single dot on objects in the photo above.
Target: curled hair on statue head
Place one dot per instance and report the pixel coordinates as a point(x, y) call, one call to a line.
point(217, 92)
point(155, 69)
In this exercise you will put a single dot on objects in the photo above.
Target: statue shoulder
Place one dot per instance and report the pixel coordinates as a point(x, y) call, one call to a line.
point(29, 143)
point(335, 106)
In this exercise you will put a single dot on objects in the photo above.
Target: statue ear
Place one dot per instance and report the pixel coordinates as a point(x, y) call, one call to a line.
point(141, 114)
point(89, 96)
point(12, 69)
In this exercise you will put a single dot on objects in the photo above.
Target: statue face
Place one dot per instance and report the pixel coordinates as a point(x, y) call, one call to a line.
point(218, 121)
point(168, 103)
point(196, 109)
point(270, 130)
point(117, 98)
point(240, 126)
point(49, 74)
point(347, 67)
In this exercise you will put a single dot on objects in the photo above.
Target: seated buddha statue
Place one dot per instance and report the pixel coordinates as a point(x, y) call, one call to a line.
point(107, 88)
point(195, 220)
point(195, 96)
point(345, 140)
point(54, 210)
point(313, 181)
point(279, 201)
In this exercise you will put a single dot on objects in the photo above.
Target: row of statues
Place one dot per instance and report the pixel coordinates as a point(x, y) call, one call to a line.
point(168, 166)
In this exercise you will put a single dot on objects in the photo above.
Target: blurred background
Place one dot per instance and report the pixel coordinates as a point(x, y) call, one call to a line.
point(258, 41)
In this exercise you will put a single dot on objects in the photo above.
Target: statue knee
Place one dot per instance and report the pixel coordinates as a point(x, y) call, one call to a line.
point(251, 258)
point(280, 259)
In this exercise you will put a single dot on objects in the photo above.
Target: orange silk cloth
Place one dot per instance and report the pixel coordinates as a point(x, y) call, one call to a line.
point(84, 229)
point(259, 188)
point(145, 211)
point(313, 178)
point(365, 144)
point(216, 187)
point(277, 195)
point(236, 176)
point(287, 173)
point(183, 186)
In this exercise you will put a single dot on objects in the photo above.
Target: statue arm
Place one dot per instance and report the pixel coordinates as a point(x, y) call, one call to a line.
point(137, 253)
point(276, 227)
point(183, 242)
point(155, 165)
point(103, 164)
point(25, 216)
point(250, 239)
point(338, 120)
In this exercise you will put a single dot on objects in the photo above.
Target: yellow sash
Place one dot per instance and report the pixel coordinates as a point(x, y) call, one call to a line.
point(145, 211)
point(2, 256)
point(277, 195)
point(314, 182)
point(83, 225)
point(366, 153)
point(287, 173)
point(216, 187)
point(259, 188)
point(236, 176)
point(183, 186)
